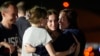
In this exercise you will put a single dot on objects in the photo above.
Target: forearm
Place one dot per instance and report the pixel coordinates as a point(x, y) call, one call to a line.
point(64, 53)
point(5, 44)
point(29, 48)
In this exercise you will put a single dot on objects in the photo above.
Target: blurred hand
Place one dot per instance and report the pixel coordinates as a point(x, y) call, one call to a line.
point(9, 46)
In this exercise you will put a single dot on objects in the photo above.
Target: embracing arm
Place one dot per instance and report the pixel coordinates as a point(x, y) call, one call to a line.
point(50, 49)
point(29, 48)
point(69, 51)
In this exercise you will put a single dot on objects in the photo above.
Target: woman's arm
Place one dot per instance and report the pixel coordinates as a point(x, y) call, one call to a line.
point(29, 48)
point(50, 49)
point(69, 51)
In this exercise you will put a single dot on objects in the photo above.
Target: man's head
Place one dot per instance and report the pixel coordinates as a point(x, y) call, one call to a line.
point(9, 12)
point(21, 8)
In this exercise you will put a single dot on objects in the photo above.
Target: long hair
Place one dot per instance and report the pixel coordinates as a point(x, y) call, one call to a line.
point(56, 33)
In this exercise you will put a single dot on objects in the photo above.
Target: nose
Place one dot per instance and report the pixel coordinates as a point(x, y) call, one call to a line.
point(59, 21)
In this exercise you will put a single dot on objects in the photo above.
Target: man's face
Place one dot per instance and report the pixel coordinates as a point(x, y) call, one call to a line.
point(10, 14)
point(63, 22)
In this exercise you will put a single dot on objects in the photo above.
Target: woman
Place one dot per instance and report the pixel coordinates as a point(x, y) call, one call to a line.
point(36, 34)
point(52, 24)
point(68, 24)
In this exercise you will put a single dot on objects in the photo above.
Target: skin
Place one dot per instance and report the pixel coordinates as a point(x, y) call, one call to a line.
point(63, 22)
point(52, 22)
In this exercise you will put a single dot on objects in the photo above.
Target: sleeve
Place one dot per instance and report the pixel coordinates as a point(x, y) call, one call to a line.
point(47, 38)
point(27, 37)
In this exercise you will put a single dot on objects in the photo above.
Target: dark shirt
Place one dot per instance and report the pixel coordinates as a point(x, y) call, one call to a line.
point(10, 36)
point(63, 42)
point(80, 37)
point(22, 24)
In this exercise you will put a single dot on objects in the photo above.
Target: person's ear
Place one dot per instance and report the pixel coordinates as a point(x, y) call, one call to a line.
point(3, 13)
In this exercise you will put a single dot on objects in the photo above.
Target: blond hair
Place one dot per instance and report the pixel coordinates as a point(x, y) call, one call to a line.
point(37, 14)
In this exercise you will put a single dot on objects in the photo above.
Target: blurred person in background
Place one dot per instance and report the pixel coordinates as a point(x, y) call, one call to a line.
point(21, 22)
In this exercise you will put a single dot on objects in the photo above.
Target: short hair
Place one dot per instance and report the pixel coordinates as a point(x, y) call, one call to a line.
point(36, 14)
point(21, 6)
point(71, 15)
point(5, 5)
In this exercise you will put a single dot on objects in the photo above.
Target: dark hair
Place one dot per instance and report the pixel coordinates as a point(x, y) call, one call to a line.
point(52, 11)
point(37, 13)
point(71, 16)
point(5, 5)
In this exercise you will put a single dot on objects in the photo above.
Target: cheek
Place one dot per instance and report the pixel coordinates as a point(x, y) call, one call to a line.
point(49, 24)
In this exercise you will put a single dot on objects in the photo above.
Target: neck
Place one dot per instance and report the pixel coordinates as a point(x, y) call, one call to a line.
point(21, 15)
point(35, 25)
point(6, 24)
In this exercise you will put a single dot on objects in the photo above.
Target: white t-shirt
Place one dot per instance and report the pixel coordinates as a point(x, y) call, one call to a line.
point(35, 36)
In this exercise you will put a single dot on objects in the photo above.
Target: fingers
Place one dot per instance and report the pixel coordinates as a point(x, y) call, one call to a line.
point(72, 48)
point(9, 46)
point(12, 48)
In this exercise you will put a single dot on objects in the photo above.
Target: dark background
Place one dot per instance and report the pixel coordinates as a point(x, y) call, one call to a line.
point(91, 5)
point(88, 14)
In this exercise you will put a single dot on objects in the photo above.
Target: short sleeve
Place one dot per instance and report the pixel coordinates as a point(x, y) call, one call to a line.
point(26, 37)
point(47, 38)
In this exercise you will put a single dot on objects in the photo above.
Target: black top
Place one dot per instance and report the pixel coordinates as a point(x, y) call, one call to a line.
point(22, 24)
point(63, 42)
point(80, 37)
point(10, 36)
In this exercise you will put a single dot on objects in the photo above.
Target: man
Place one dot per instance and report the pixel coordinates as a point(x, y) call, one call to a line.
point(8, 31)
point(22, 23)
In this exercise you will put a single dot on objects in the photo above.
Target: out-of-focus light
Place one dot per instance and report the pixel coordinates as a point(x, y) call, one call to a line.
point(66, 4)
point(99, 49)
point(90, 48)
